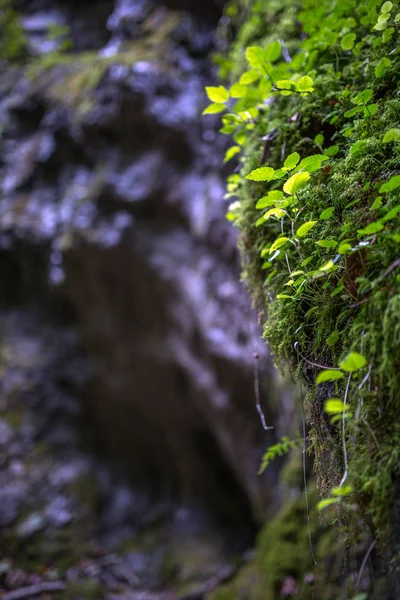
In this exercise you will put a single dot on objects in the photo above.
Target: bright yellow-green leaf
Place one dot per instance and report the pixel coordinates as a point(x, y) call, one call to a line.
point(295, 183)
point(347, 41)
point(334, 406)
point(275, 212)
point(238, 90)
point(312, 163)
point(219, 94)
point(231, 152)
point(327, 243)
point(255, 56)
point(327, 213)
point(305, 228)
point(328, 502)
point(344, 248)
point(305, 84)
point(291, 161)
point(214, 109)
point(273, 52)
point(249, 77)
point(386, 7)
point(261, 174)
point(342, 491)
point(278, 244)
point(393, 135)
point(329, 375)
point(353, 362)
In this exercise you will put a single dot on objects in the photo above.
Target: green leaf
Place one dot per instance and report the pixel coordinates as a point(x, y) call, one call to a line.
point(393, 135)
point(275, 212)
point(363, 97)
point(273, 52)
point(353, 362)
point(391, 214)
point(332, 150)
point(382, 66)
point(353, 111)
point(291, 161)
point(327, 502)
point(261, 174)
point(333, 338)
point(255, 56)
point(305, 84)
point(344, 248)
point(285, 86)
point(238, 90)
point(347, 41)
point(358, 146)
point(327, 213)
point(278, 243)
point(387, 34)
point(370, 110)
point(389, 186)
point(305, 228)
point(214, 109)
point(374, 227)
point(218, 94)
point(342, 491)
point(249, 77)
point(386, 7)
point(327, 243)
point(231, 152)
point(334, 406)
point(312, 163)
point(377, 203)
point(319, 139)
point(296, 182)
point(270, 199)
point(282, 296)
point(329, 375)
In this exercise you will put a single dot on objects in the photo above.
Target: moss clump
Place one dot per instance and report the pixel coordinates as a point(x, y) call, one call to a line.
point(326, 89)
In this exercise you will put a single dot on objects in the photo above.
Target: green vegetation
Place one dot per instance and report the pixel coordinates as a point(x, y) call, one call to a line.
point(313, 109)
point(12, 37)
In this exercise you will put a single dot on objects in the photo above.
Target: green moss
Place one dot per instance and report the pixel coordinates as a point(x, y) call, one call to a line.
point(358, 296)
point(84, 589)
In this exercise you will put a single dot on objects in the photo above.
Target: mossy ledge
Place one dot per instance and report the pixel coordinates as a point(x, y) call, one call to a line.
point(321, 259)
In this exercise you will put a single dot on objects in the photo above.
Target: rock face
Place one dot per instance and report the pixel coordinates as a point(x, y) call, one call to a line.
point(112, 219)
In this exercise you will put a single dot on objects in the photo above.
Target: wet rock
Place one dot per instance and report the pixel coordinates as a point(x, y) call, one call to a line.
point(31, 525)
point(12, 496)
point(58, 512)
point(15, 579)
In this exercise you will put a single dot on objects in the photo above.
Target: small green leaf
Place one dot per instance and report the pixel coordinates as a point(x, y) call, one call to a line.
point(347, 41)
point(332, 150)
point(344, 248)
point(334, 406)
point(329, 375)
point(261, 174)
point(327, 213)
point(386, 7)
point(353, 111)
point(219, 94)
point(370, 110)
point(272, 52)
point(231, 152)
point(275, 212)
point(393, 135)
point(282, 296)
point(353, 362)
point(319, 139)
point(389, 186)
point(374, 227)
point(363, 97)
point(312, 163)
point(393, 212)
point(387, 34)
point(214, 109)
point(358, 146)
point(255, 56)
point(296, 182)
point(382, 66)
point(305, 228)
point(291, 161)
point(333, 338)
point(238, 90)
point(377, 203)
point(328, 502)
point(305, 84)
point(342, 491)
point(249, 77)
point(327, 243)
point(278, 243)
point(285, 86)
